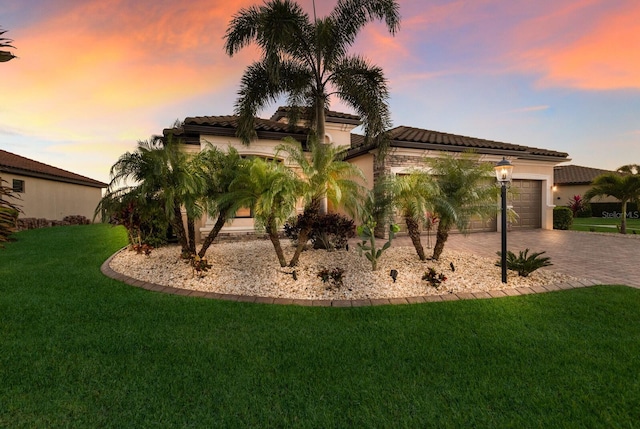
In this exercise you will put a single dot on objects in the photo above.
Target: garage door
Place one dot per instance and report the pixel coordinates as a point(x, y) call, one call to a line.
point(527, 203)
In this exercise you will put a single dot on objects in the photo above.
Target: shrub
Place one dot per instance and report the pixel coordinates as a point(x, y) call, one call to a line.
point(368, 246)
point(142, 248)
point(576, 204)
point(200, 265)
point(602, 209)
point(562, 218)
point(434, 278)
point(525, 264)
point(585, 212)
point(332, 276)
point(76, 220)
point(330, 231)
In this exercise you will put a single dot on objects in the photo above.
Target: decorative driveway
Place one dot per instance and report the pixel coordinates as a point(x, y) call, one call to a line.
point(605, 258)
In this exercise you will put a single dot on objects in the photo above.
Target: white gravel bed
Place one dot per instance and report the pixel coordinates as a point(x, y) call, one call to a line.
point(251, 268)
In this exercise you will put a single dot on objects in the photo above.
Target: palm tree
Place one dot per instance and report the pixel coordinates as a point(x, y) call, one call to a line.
point(414, 195)
point(160, 170)
point(271, 189)
point(6, 43)
point(219, 170)
point(326, 177)
point(623, 185)
point(9, 211)
point(308, 61)
point(464, 191)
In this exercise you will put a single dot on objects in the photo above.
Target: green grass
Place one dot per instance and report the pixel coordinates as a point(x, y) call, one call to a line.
point(596, 224)
point(81, 350)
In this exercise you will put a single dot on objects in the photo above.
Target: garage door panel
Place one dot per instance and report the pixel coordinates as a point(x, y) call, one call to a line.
point(527, 203)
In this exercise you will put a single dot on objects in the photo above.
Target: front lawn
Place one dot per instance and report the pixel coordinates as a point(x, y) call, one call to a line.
point(598, 224)
point(78, 349)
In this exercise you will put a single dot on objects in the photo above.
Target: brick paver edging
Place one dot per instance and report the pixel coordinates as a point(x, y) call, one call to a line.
point(109, 272)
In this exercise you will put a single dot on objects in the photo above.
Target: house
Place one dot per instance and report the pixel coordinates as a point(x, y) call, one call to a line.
point(49, 192)
point(571, 180)
point(533, 167)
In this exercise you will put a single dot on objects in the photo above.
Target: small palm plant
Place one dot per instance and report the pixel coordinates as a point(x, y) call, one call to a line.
point(525, 264)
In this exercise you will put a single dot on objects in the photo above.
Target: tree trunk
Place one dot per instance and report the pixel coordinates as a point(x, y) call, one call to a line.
point(179, 228)
point(310, 213)
point(442, 234)
point(191, 226)
point(413, 229)
point(623, 219)
point(272, 231)
point(222, 219)
point(320, 120)
point(303, 237)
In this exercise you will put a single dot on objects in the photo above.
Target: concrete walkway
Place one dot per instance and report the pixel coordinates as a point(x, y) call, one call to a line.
point(605, 258)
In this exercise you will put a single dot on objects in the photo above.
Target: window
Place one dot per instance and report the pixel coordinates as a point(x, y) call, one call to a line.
point(244, 212)
point(18, 186)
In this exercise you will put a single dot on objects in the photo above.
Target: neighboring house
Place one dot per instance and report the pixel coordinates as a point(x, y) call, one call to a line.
point(533, 167)
point(49, 192)
point(571, 180)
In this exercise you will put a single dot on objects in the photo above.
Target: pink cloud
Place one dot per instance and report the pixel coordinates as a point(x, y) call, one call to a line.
point(100, 61)
point(584, 46)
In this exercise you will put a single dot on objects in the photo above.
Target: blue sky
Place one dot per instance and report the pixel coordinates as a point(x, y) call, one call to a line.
point(95, 76)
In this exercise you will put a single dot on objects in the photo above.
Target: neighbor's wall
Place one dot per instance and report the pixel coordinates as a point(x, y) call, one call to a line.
point(563, 193)
point(54, 200)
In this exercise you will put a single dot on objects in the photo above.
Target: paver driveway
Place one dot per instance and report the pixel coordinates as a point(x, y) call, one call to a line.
point(605, 258)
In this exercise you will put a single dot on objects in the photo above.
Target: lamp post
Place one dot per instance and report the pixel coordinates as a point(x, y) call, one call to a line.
point(504, 169)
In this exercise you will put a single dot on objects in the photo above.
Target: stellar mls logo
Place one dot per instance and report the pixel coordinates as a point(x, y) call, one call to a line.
point(618, 215)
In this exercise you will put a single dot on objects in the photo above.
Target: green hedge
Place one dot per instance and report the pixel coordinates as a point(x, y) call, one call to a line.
point(562, 218)
point(601, 209)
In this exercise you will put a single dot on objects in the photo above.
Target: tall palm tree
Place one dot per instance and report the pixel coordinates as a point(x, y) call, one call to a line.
point(271, 189)
point(308, 61)
point(5, 43)
point(414, 195)
point(219, 170)
point(325, 177)
point(623, 185)
point(464, 191)
point(160, 169)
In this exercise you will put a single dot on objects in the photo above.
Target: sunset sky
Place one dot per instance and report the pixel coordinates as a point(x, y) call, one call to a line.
point(95, 76)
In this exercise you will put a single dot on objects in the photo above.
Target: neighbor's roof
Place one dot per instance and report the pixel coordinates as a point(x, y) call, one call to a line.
point(576, 174)
point(330, 116)
point(19, 165)
point(418, 138)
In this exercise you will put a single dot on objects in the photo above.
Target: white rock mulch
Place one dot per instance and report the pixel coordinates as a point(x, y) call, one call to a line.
point(251, 268)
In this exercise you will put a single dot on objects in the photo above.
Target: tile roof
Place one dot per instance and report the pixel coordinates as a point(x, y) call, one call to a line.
point(331, 116)
point(16, 164)
point(576, 174)
point(418, 138)
point(232, 122)
point(227, 125)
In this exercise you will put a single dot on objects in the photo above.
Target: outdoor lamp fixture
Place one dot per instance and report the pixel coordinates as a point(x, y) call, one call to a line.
point(504, 169)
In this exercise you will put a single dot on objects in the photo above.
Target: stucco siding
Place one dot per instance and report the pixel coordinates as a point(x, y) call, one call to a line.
point(563, 193)
point(54, 200)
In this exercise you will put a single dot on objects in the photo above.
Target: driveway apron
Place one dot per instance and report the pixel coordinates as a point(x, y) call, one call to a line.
point(605, 258)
